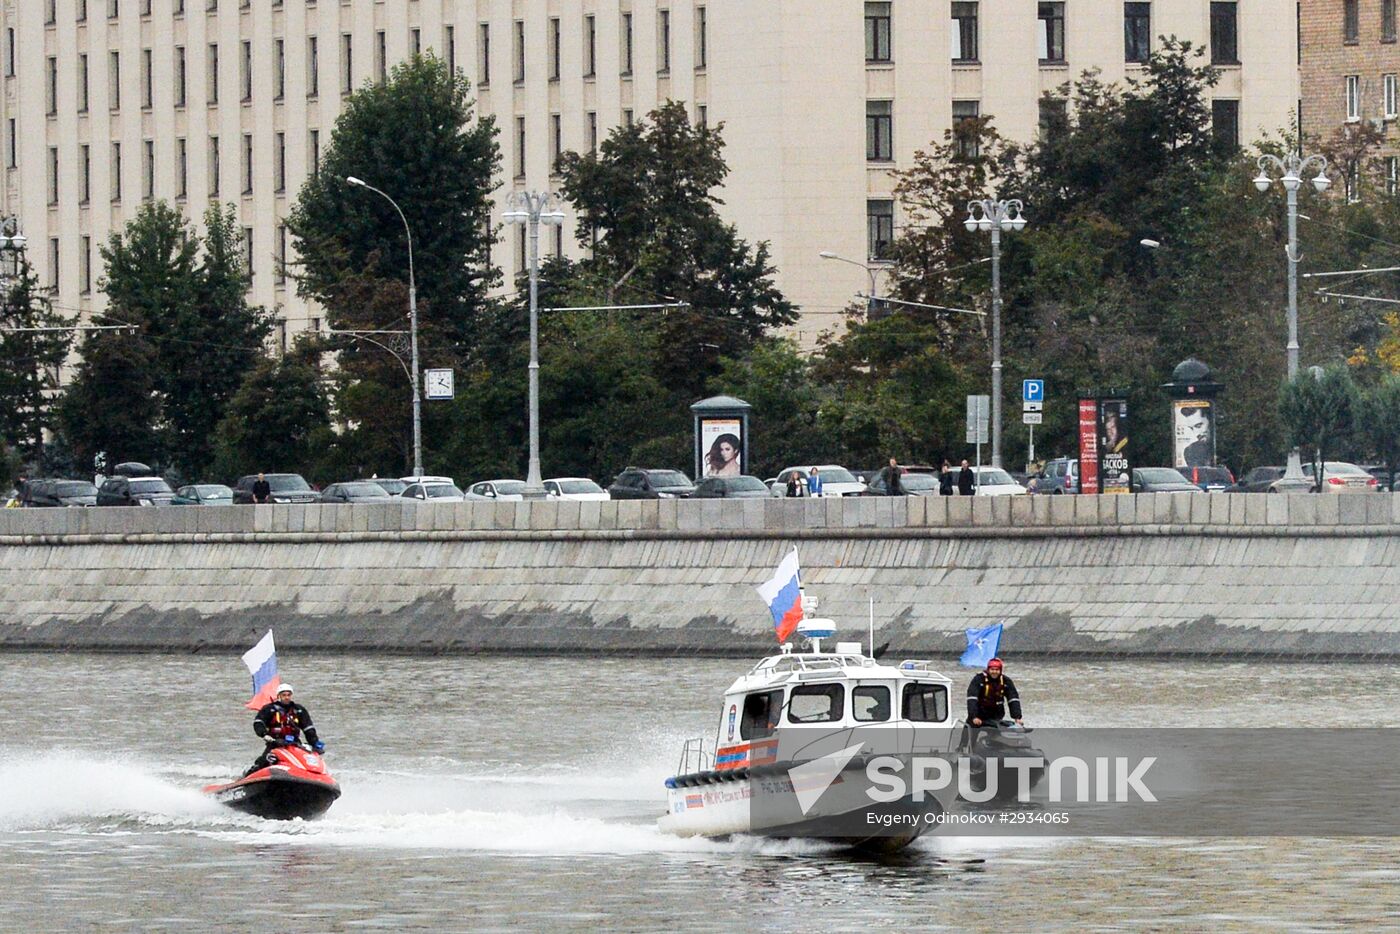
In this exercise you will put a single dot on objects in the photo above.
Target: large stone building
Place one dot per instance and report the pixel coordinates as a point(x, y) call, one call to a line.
point(110, 102)
point(1348, 65)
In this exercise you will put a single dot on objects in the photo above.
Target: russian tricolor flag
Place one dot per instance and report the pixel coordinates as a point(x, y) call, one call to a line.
point(783, 594)
point(261, 661)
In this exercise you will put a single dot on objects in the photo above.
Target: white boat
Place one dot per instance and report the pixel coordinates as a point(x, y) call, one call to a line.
point(797, 735)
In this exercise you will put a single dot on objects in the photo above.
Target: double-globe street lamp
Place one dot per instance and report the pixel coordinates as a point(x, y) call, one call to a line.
point(533, 208)
point(1292, 168)
point(412, 328)
point(992, 216)
point(12, 244)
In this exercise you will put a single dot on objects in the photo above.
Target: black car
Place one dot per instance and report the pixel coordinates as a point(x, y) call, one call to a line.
point(730, 488)
point(359, 491)
point(135, 491)
point(1210, 479)
point(1160, 480)
point(39, 493)
point(286, 488)
point(1258, 480)
point(911, 484)
point(640, 483)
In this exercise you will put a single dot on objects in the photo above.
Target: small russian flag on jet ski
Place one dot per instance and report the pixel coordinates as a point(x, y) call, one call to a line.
point(783, 594)
point(261, 661)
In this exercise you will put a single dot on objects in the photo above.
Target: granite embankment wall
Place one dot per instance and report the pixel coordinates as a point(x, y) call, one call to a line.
point(1161, 574)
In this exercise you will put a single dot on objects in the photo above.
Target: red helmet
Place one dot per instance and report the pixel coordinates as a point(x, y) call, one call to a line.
point(994, 663)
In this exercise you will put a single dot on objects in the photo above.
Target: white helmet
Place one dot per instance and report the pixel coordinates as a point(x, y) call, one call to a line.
point(285, 689)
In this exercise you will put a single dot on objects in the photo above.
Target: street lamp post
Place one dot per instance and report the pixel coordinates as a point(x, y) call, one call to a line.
point(1292, 168)
point(412, 329)
point(995, 216)
point(12, 244)
point(871, 270)
point(533, 208)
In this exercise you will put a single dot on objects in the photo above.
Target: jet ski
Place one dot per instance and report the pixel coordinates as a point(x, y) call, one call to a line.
point(294, 784)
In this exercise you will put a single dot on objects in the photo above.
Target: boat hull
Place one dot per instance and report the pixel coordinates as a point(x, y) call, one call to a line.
point(278, 795)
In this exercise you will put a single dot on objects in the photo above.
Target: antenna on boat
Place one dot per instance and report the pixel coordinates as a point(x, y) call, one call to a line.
point(872, 626)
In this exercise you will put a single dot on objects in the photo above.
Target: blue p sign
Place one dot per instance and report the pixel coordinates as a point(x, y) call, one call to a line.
point(1033, 390)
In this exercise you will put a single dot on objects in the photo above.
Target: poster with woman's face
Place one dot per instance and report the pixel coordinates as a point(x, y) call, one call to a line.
point(1193, 429)
point(721, 447)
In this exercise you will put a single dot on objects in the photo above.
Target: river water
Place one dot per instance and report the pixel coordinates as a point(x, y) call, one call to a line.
point(490, 793)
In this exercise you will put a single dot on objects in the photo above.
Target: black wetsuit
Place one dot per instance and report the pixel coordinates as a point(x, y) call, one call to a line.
point(987, 698)
point(275, 722)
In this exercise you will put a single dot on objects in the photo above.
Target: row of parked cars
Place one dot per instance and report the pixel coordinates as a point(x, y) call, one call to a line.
point(1061, 475)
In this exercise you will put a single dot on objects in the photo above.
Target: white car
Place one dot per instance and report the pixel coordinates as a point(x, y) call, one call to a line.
point(431, 489)
point(499, 490)
point(575, 488)
point(836, 480)
point(993, 481)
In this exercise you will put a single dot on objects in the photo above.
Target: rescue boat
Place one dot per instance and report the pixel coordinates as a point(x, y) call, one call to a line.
point(295, 783)
point(798, 736)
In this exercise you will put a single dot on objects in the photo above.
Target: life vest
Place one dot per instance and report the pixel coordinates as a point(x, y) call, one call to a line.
point(993, 692)
point(283, 722)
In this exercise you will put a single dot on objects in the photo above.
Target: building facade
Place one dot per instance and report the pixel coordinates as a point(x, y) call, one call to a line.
point(1348, 70)
point(107, 103)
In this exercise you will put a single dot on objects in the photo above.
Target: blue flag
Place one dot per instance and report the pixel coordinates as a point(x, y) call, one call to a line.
point(982, 646)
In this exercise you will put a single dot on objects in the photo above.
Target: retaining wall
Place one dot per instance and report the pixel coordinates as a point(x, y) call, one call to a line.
point(1157, 574)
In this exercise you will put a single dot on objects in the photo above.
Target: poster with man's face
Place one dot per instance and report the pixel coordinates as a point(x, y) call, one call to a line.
point(1114, 470)
point(721, 447)
point(1193, 432)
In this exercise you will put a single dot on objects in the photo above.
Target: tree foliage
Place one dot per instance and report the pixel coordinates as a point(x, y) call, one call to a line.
point(1318, 412)
point(279, 420)
point(29, 365)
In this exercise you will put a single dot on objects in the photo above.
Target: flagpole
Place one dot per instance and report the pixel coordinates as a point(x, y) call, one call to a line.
point(872, 627)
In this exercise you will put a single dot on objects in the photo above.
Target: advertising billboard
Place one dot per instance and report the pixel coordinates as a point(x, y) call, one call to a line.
point(721, 445)
point(1088, 446)
point(1193, 433)
point(1114, 470)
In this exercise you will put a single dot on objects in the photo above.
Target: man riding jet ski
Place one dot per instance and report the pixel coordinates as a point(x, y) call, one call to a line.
point(281, 723)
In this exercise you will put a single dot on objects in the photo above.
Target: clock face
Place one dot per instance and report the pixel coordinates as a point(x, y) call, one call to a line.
point(439, 384)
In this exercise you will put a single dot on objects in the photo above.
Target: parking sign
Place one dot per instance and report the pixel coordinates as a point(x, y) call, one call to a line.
point(1033, 390)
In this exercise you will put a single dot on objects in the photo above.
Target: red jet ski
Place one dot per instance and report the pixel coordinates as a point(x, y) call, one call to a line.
point(294, 784)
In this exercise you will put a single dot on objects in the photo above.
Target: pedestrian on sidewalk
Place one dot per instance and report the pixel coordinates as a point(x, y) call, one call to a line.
point(967, 480)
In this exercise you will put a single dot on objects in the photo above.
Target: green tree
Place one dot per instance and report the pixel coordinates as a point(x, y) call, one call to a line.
point(1318, 413)
point(29, 365)
point(785, 425)
point(417, 138)
point(279, 420)
point(1378, 421)
point(112, 408)
point(647, 206)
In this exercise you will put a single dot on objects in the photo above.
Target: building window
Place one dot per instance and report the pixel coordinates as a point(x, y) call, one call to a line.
point(483, 57)
point(212, 91)
point(1225, 123)
point(279, 55)
point(314, 146)
point(114, 80)
point(281, 335)
point(280, 273)
point(1353, 183)
point(554, 49)
point(1353, 90)
point(702, 37)
point(519, 147)
point(519, 51)
point(147, 80)
point(449, 40)
point(964, 32)
point(627, 117)
point(182, 169)
point(702, 115)
point(179, 76)
point(556, 141)
point(313, 67)
point(1137, 32)
point(1052, 32)
point(965, 115)
point(82, 11)
point(559, 242)
point(85, 179)
point(279, 163)
point(590, 46)
point(10, 52)
point(415, 41)
point(11, 145)
point(381, 58)
point(50, 12)
point(82, 83)
point(214, 168)
point(663, 41)
point(85, 265)
point(347, 64)
point(248, 254)
point(245, 70)
point(626, 43)
point(247, 163)
point(53, 263)
point(115, 169)
point(879, 215)
point(53, 175)
point(1388, 85)
point(1387, 20)
point(593, 132)
point(879, 131)
point(51, 86)
point(1224, 34)
point(1392, 175)
point(1351, 21)
point(148, 169)
point(877, 32)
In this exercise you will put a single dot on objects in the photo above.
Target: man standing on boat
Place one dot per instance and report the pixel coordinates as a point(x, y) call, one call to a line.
point(989, 694)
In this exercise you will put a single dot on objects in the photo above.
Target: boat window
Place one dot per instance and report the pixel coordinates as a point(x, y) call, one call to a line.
point(927, 703)
point(870, 703)
point(816, 703)
point(761, 713)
